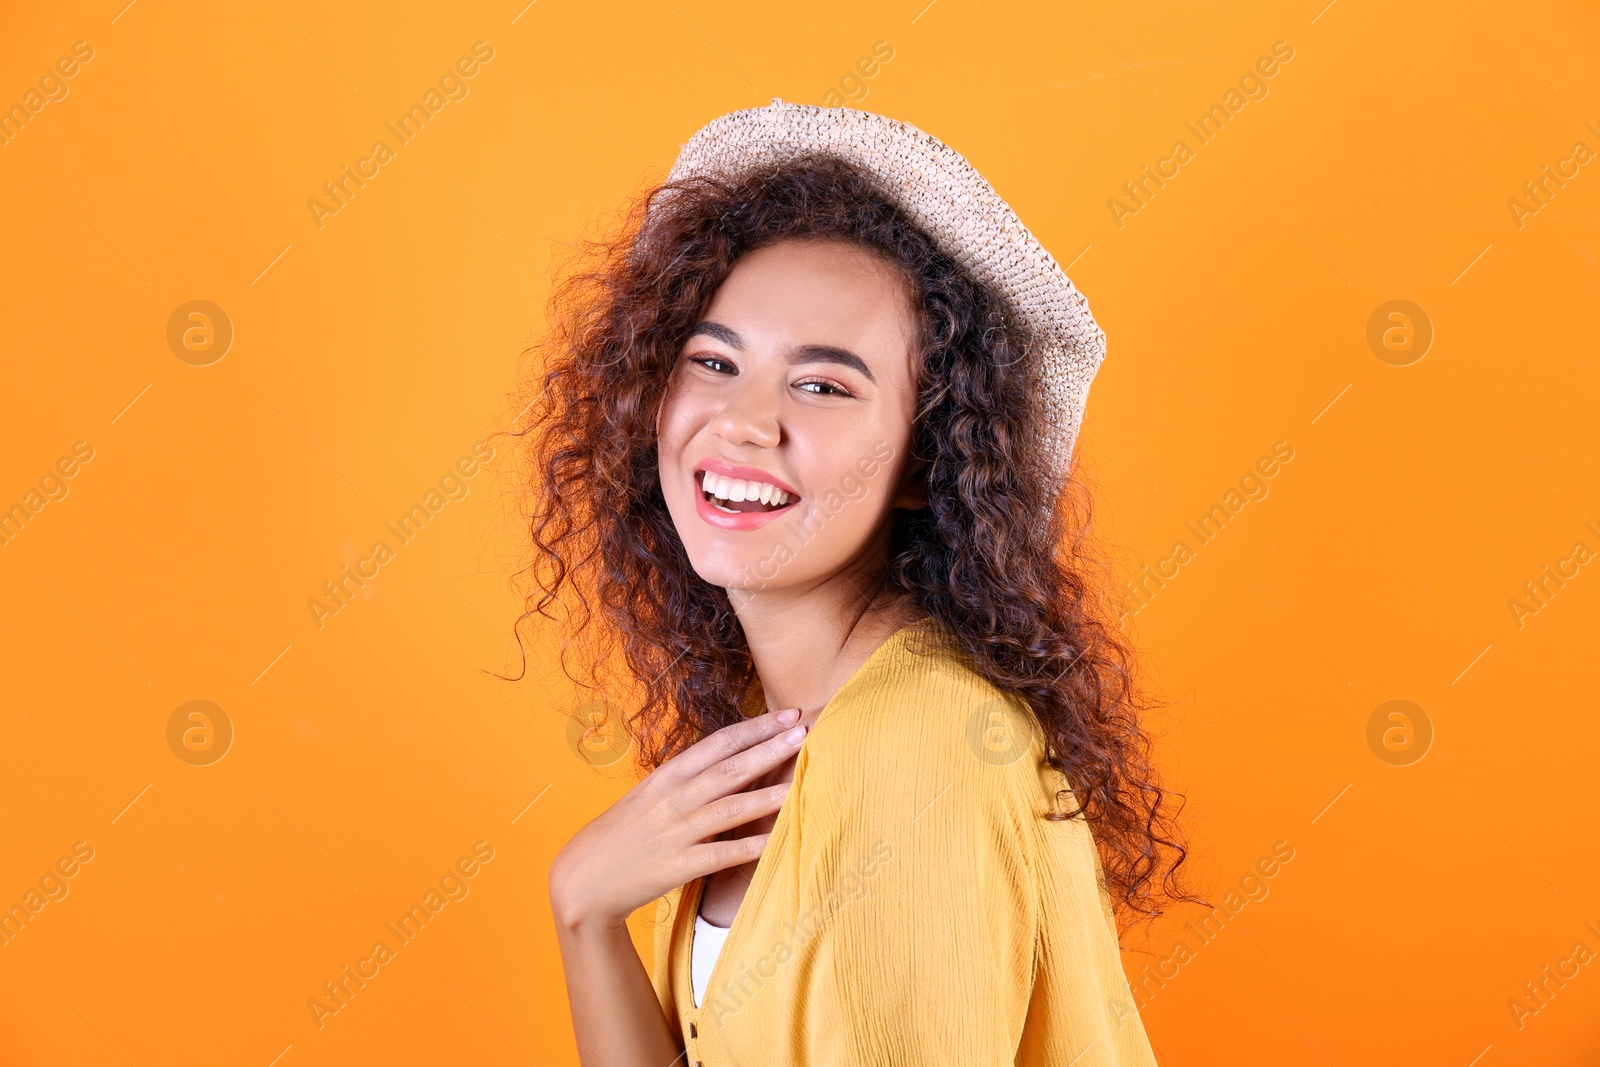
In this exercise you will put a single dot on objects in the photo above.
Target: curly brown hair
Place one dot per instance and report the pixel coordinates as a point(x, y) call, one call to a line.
point(1017, 596)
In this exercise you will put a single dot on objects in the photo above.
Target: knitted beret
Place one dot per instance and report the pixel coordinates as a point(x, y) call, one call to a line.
point(941, 193)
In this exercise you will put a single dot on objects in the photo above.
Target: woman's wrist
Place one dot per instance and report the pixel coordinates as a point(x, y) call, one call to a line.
point(577, 917)
point(575, 909)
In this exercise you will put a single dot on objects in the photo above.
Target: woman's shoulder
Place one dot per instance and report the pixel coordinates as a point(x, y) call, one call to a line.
point(919, 710)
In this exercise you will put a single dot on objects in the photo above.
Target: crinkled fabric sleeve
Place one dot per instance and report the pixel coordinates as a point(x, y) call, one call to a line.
point(663, 915)
point(1083, 1011)
point(918, 864)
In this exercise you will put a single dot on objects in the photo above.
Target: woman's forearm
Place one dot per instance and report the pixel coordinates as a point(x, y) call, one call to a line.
point(615, 1013)
point(633, 855)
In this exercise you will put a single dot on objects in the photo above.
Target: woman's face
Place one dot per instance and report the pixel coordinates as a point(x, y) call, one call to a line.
point(798, 384)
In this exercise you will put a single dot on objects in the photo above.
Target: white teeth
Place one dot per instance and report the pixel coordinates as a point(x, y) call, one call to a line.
point(732, 490)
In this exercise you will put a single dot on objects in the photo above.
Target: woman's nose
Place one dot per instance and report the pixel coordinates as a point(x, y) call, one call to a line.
point(750, 415)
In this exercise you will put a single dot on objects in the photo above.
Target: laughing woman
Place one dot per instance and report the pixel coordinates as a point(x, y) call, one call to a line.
point(803, 443)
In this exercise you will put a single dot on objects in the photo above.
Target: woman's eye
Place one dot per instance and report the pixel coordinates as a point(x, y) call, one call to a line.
point(712, 363)
point(814, 386)
point(823, 388)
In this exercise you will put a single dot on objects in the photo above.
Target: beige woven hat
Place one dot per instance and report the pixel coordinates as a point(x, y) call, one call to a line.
point(943, 195)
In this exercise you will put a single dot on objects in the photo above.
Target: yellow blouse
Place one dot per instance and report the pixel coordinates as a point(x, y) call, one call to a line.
point(911, 906)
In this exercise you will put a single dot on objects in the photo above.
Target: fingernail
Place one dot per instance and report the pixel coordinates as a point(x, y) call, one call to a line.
point(788, 716)
point(795, 736)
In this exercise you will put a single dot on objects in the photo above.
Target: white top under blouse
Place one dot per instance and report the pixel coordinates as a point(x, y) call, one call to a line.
point(708, 941)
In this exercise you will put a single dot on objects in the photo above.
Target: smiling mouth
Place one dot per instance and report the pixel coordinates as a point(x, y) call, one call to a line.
point(736, 497)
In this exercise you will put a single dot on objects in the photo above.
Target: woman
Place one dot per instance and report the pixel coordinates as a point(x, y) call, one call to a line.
point(803, 432)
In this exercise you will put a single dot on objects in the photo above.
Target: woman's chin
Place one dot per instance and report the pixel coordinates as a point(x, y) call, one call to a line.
point(742, 578)
point(731, 575)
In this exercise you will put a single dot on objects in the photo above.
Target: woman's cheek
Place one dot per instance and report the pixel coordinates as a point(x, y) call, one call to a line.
point(854, 488)
point(673, 428)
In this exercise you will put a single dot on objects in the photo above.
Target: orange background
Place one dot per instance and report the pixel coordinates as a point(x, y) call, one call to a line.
point(370, 353)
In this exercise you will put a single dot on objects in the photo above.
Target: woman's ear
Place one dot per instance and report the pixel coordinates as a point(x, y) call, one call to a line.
point(913, 492)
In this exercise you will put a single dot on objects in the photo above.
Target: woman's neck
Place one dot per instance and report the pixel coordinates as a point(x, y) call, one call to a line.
point(806, 646)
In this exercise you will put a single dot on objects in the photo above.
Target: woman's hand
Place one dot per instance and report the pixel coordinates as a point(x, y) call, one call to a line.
point(661, 834)
point(657, 837)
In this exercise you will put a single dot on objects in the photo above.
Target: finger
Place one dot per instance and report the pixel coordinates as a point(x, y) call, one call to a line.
point(720, 855)
point(743, 767)
point(719, 745)
point(729, 812)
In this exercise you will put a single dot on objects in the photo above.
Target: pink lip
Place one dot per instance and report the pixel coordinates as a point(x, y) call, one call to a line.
point(744, 474)
point(746, 520)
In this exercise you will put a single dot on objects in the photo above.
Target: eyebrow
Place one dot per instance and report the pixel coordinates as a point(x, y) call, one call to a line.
point(798, 354)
